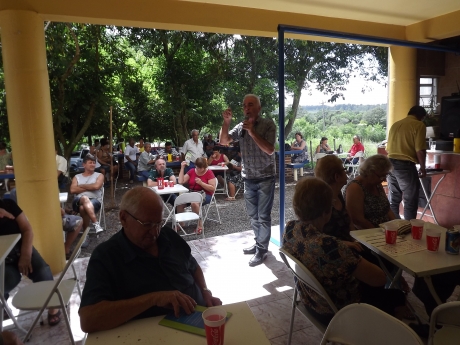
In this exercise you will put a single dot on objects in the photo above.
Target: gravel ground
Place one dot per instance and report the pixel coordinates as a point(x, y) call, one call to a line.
point(233, 214)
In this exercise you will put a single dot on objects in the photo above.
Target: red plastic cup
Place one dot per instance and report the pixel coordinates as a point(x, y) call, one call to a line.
point(161, 183)
point(417, 228)
point(433, 237)
point(222, 164)
point(214, 324)
point(390, 236)
point(171, 183)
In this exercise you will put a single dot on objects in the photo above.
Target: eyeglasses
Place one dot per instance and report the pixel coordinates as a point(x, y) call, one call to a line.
point(148, 225)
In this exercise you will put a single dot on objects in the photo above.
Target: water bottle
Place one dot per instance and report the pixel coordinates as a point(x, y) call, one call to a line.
point(430, 141)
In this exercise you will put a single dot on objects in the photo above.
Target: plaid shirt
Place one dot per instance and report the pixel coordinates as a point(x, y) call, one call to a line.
point(256, 164)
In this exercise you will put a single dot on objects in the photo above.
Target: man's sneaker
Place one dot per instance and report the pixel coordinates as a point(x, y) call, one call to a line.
point(98, 227)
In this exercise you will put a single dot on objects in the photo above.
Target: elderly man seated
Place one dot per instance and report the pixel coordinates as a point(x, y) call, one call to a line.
point(144, 270)
point(146, 160)
point(356, 147)
point(167, 174)
point(88, 187)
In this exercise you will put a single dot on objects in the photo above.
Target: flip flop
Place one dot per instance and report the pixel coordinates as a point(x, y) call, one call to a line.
point(198, 231)
point(56, 317)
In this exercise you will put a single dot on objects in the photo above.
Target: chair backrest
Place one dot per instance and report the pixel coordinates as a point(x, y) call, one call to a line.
point(73, 257)
point(305, 276)
point(359, 154)
point(363, 324)
point(447, 314)
point(318, 156)
point(187, 198)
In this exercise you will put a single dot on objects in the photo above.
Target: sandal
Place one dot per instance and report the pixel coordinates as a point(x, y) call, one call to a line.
point(230, 198)
point(198, 231)
point(54, 319)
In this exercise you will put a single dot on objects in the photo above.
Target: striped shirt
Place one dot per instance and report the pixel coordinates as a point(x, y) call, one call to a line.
point(255, 163)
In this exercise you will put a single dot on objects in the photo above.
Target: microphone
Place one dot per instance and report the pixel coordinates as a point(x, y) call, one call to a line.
point(243, 132)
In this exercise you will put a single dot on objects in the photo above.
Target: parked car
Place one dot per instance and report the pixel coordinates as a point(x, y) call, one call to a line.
point(76, 160)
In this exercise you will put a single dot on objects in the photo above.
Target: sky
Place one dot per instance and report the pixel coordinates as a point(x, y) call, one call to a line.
point(353, 95)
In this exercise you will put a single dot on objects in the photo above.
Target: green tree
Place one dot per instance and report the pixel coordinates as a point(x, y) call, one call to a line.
point(327, 65)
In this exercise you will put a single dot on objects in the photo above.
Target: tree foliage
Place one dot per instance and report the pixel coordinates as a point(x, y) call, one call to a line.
point(161, 84)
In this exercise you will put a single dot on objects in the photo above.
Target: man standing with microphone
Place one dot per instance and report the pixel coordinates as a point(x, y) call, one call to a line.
point(257, 137)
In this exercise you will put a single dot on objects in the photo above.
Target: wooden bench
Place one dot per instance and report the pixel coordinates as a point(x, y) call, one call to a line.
point(296, 166)
point(142, 179)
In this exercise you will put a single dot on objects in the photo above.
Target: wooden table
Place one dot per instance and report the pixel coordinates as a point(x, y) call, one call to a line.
point(422, 264)
point(241, 329)
point(7, 242)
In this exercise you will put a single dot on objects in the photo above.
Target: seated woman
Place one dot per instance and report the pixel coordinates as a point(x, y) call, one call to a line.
point(104, 158)
point(346, 276)
point(323, 147)
point(199, 179)
point(218, 158)
point(23, 258)
point(367, 203)
point(234, 179)
point(299, 145)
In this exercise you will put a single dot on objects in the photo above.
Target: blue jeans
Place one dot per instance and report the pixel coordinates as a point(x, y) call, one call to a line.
point(259, 195)
point(145, 173)
point(132, 169)
point(40, 270)
point(403, 184)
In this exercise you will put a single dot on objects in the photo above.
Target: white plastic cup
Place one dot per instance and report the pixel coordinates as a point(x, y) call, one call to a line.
point(437, 161)
point(214, 324)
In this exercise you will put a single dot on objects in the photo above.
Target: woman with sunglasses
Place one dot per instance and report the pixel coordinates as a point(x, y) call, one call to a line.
point(367, 203)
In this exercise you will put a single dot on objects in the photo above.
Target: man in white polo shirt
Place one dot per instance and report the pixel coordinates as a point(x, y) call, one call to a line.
point(131, 151)
point(193, 149)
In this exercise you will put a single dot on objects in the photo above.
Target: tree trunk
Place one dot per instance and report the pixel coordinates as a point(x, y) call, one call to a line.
point(293, 112)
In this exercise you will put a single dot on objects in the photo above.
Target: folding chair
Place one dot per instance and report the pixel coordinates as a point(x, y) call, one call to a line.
point(51, 294)
point(306, 277)
point(374, 327)
point(318, 156)
point(355, 166)
point(446, 315)
point(207, 207)
point(186, 216)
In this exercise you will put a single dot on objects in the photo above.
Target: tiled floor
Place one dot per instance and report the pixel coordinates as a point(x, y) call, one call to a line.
point(266, 288)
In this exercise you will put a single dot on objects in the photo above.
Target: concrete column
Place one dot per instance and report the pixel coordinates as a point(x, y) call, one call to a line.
point(31, 130)
point(402, 84)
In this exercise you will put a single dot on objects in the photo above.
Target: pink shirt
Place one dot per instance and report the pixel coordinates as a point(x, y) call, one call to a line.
point(208, 175)
point(356, 148)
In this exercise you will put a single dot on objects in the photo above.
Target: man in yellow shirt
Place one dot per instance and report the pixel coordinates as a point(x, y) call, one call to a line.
point(406, 147)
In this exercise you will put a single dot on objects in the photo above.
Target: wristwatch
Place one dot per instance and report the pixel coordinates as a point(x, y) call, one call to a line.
point(206, 289)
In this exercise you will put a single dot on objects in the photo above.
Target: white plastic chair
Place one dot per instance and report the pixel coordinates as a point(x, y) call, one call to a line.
point(318, 156)
point(306, 277)
point(446, 315)
point(354, 171)
point(206, 208)
point(363, 324)
point(186, 216)
point(51, 294)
